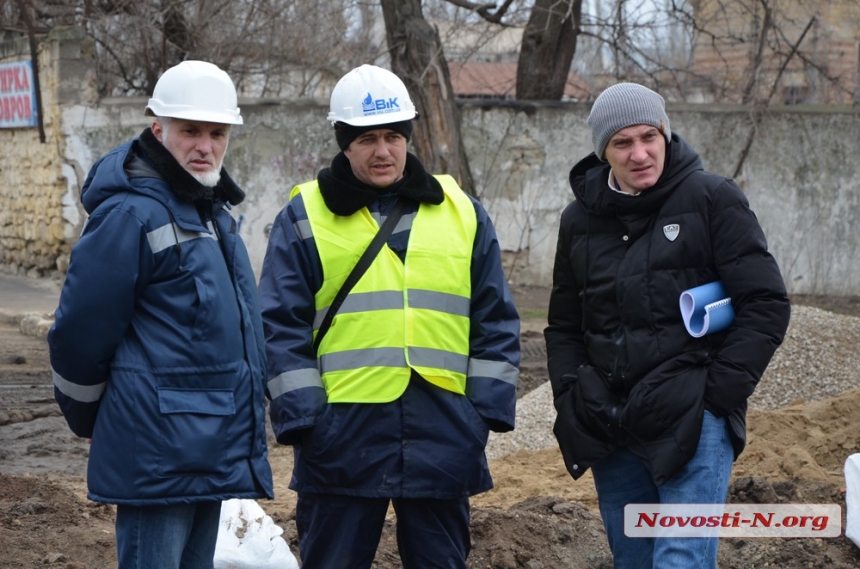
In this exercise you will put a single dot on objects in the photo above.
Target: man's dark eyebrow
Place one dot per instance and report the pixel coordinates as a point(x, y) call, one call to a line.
point(621, 137)
point(649, 131)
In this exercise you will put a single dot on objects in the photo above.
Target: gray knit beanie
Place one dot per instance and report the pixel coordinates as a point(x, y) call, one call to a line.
point(623, 105)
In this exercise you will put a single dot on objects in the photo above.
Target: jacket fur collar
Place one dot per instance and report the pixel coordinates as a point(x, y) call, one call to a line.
point(344, 194)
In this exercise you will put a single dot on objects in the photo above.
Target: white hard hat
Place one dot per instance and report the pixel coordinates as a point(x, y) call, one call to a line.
point(370, 95)
point(196, 91)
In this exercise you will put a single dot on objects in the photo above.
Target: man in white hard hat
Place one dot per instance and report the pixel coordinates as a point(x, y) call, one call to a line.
point(157, 349)
point(392, 400)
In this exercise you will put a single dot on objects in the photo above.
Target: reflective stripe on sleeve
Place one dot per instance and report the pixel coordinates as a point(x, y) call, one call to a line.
point(80, 393)
point(503, 371)
point(303, 229)
point(292, 380)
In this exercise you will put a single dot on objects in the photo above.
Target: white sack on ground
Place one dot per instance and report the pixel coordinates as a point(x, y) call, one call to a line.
point(249, 539)
point(852, 498)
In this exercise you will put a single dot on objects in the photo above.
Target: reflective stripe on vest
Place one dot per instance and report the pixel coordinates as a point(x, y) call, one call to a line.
point(400, 316)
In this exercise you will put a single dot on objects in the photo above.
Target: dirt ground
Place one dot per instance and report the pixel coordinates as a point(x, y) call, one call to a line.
point(536, 517)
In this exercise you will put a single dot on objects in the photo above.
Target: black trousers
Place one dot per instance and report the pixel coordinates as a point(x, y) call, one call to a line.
point(343, 532)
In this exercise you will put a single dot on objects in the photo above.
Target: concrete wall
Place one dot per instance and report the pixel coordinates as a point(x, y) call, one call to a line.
point(800, 176)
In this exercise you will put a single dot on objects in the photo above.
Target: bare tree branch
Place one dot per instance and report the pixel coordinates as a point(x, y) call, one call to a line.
point(758, 111)
point(484, 10)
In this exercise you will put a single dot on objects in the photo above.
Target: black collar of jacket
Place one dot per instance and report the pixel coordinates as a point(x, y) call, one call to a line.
point(183, 184)
point(344, 194)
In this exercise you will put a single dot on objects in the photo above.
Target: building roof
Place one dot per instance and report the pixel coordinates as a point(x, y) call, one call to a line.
point(498, 80)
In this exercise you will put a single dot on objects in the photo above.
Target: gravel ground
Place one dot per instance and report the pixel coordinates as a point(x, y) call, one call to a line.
point(817, 360)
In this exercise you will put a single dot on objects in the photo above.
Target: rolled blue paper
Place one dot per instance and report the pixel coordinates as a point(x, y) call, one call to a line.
point(706, 309)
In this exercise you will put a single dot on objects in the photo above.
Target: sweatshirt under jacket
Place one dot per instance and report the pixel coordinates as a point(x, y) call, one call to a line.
point(157, 349)
point(623, 368)
point(430, 442)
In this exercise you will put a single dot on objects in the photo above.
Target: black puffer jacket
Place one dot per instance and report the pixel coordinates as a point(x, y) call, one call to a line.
point(623, 368)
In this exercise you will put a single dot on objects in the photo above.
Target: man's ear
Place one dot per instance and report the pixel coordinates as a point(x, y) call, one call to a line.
point(157, 131)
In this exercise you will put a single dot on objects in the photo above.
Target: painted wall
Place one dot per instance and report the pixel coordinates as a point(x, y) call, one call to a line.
point(35, 228)
point(801, 174)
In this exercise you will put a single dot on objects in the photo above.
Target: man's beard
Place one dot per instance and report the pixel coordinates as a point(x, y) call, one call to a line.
point(209, 179)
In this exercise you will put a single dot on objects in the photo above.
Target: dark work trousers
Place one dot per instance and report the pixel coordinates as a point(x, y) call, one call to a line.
point(342, 532)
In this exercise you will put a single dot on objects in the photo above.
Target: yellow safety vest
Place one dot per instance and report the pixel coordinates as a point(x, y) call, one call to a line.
point(400, 316)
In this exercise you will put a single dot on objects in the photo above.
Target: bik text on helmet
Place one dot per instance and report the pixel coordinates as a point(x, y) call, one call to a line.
point(370, 95)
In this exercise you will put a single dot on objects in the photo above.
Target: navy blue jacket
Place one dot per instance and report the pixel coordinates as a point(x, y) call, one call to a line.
point(430, 442)
point(157, 350)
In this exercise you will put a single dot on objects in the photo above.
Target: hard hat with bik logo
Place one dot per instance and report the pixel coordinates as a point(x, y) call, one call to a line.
point(370, 95)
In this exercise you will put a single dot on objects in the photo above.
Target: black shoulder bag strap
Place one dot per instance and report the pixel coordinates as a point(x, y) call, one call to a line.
point(360, 267)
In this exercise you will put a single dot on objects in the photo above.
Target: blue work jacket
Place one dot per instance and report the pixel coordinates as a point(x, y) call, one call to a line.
point(157, 350)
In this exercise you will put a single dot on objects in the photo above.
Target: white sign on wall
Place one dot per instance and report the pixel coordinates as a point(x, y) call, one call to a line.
point(17, 95)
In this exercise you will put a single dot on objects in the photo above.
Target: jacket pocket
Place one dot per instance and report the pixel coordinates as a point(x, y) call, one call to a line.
point(580, 448)
point(596, 406)
point(669, 401)
point(478, 426)
point(203, 310)
point(325, 433)
point(194, 431)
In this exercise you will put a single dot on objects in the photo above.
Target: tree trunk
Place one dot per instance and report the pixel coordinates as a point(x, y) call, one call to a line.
point(549, 42)
point(417, 58)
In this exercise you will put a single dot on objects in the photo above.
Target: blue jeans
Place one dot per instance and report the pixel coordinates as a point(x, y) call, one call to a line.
point(180, 536)
point(622, 479)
